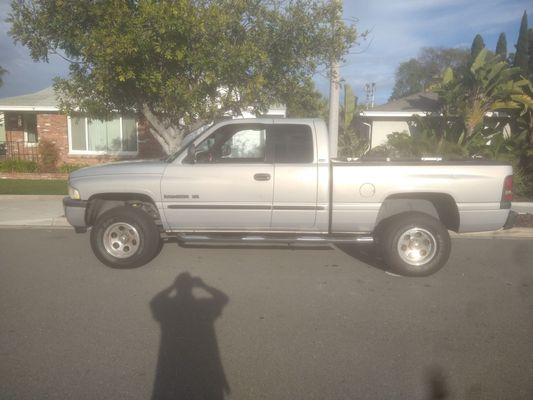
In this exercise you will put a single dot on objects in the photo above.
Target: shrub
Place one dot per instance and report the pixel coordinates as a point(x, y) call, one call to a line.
point(48, 155)
point(68, 168)
point(18, 166)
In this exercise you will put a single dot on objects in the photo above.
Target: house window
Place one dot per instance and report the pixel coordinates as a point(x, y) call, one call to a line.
point(92, 136)
point(30, 128)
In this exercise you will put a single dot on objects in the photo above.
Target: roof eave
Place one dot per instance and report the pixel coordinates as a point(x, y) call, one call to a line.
point(28, 108)
point(394, 114)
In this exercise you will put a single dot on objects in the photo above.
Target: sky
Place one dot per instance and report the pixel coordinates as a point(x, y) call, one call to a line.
point(398, 29)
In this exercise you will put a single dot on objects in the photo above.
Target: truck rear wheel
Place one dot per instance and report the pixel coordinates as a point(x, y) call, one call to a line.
point(125, 237)
point(415, 244)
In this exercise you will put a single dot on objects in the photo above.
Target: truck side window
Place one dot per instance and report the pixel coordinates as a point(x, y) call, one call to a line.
point(292, 143)
point(233, 144)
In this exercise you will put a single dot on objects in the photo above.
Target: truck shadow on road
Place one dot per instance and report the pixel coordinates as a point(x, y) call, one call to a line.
point(189, 364)
point(366, 253)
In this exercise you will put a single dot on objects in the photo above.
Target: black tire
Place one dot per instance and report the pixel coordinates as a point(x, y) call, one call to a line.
point(125, 237)
point(414, 244)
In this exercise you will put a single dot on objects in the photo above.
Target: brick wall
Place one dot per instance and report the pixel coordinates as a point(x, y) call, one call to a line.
point(53, 127)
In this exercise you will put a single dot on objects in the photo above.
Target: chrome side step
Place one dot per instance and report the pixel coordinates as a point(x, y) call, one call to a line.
point(267, 239)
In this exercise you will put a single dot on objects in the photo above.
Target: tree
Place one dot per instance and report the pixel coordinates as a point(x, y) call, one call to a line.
point(478, 44)
point(2, 72)
point(489, 84)
point(417, 74)
point(501, 46)
point(521, 55)
point(530, 54)
point(305, 101)
point(180, 62)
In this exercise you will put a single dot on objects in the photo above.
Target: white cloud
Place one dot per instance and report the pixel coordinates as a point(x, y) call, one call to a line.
point(401, 28)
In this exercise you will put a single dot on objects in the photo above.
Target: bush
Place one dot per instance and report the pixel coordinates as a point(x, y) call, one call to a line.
point(48, 155)
point(18, 166)
point(403, 146)
point(68, 168)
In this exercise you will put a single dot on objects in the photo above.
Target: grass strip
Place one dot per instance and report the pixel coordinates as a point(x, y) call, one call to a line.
point(34, 187)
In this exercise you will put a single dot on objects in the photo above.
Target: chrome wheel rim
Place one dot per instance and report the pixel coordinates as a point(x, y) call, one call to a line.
point(121, 240)
point(417, 246)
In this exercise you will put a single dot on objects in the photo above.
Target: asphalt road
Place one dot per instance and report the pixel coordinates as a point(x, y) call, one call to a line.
point(277, 323)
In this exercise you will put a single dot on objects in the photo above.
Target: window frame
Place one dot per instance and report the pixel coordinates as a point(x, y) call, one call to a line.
point(101, 152)
point(25, 124)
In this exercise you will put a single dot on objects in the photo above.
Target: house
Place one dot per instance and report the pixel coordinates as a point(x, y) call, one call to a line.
point(376, 124)
point(26, 120)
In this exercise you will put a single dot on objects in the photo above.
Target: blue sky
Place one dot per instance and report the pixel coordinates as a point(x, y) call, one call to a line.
point(398, 30)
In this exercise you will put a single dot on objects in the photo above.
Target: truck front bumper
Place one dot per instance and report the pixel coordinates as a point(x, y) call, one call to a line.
point(75, 213)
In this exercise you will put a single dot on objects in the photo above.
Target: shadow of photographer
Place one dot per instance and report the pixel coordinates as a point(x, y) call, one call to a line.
point(189, 364)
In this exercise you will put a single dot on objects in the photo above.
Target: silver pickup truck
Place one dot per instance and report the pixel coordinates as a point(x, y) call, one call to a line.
point(272, 181)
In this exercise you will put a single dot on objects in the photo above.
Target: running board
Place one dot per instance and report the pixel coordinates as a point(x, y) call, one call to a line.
point(267, 239)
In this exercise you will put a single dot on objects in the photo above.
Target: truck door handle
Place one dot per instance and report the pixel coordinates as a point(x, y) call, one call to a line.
point(262, 177)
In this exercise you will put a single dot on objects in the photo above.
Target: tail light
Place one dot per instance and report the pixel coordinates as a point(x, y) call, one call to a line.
point(507, 193)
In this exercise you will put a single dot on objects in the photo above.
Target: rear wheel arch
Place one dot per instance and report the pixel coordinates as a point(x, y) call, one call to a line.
point(440, 206)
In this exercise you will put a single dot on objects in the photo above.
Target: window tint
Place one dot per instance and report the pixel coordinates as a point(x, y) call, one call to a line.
point(292, 143)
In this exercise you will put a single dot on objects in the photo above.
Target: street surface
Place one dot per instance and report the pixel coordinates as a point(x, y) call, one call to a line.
point(277, 323)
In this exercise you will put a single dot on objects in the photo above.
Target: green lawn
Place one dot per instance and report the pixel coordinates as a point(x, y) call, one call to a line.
point(26, 186)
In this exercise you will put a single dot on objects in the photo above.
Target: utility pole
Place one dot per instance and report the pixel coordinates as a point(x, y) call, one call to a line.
point(334, 92)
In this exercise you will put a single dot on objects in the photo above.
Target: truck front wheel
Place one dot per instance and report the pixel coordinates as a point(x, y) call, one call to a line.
point(415, 244)
point(125, 237)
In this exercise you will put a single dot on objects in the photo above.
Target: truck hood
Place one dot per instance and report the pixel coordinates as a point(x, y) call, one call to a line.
point(144, 167)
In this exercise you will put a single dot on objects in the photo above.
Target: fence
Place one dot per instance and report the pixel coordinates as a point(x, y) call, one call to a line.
point(18, 150)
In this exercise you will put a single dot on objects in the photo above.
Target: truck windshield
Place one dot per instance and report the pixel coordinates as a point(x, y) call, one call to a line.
point(187, 141)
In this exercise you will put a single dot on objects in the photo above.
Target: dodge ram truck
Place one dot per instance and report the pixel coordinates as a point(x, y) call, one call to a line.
point(273, 181)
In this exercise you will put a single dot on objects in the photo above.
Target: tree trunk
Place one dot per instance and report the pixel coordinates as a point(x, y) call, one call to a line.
point(168, 136)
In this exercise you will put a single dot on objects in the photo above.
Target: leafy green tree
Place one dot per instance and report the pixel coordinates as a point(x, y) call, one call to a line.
point(2, 72)
point(478, 44)
point(180, 62)
point(501, 46)
point(418, 74)
point(521, 55)
point(305, 101)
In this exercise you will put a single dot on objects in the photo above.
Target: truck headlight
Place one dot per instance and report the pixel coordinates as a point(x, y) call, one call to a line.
point(73, 193)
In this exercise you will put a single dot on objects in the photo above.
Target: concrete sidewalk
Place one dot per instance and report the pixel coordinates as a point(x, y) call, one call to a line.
point(32, 211)
point(47, 211)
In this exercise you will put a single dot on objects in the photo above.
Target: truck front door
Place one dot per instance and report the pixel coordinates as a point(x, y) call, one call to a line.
point(228, 187)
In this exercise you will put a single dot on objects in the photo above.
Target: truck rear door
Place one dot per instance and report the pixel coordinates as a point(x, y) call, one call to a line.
point(291, 146)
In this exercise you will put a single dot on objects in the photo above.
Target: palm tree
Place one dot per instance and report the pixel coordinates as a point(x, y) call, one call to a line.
point(489, 84)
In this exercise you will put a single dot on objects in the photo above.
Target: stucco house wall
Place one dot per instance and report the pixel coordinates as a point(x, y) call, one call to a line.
point(394, 116)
